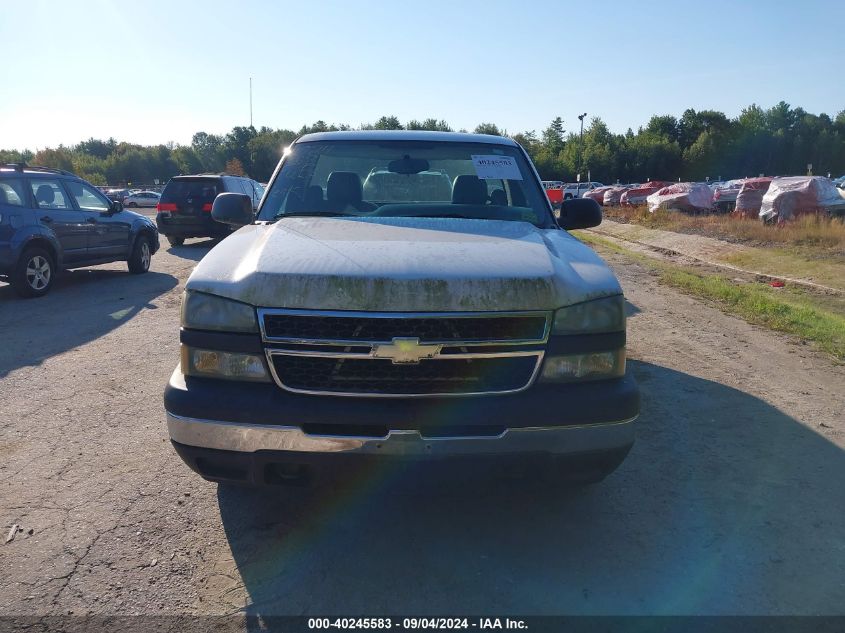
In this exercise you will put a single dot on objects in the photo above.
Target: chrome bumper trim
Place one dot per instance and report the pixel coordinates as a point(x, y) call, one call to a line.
point(253, 437)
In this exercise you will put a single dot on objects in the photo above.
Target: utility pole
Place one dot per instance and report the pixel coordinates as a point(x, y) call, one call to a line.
point(581, 143)
point(250, 102)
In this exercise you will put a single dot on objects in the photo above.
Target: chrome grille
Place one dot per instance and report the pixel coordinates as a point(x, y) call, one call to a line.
point(428, 377)
point(400, 355)
point(358, 326)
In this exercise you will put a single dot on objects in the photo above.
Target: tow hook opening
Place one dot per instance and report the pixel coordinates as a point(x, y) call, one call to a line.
point(288, 474)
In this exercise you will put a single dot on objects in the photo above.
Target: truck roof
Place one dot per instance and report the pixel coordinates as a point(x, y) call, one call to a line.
point(406, 135)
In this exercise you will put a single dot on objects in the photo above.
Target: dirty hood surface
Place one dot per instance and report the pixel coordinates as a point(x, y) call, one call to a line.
point(403, 264)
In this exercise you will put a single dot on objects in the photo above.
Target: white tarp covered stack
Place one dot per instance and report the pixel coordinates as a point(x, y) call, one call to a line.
point(613, 196)
point(750, 196)
point(682, 196)
point(791, 196)
point(597, 194)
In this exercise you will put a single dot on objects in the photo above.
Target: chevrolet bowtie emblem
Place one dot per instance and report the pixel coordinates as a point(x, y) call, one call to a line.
point(406, 350)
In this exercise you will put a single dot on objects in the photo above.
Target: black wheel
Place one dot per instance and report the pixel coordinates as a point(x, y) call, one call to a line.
point(34, 274)
point(568, 196)
point(132, 204)
point(142, 255)
point(175, 241)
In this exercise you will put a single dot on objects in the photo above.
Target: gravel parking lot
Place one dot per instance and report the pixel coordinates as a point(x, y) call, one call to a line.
point(730, 502)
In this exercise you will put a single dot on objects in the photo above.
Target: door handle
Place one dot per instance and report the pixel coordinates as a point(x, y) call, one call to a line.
point(91, 220)
point(46, 219)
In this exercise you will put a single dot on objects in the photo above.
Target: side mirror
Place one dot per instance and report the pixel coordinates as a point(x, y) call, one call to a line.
point(116, 206)
point(232, 208)
point(579, 213)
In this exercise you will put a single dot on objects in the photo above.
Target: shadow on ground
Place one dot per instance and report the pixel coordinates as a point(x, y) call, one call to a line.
point(725, 505)
point(194, 250)
point(82, 306)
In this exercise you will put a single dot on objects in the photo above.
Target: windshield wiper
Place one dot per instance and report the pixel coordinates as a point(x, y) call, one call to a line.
point(444, 215)
point(292, 214)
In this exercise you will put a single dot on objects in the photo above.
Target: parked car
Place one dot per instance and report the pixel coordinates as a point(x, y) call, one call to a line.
point(749, 199)
point(142, 199)
point(690, 197)
point(184, 209)
point(578, 189)
point(792, 196)
point(335, 328)
point(638, 195)
point(724, 196)
point(612, 196)
point(597, 194)
point(117, 195)
point(52, 220)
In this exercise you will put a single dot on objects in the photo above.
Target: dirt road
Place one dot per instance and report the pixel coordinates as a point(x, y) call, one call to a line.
point(731, 501)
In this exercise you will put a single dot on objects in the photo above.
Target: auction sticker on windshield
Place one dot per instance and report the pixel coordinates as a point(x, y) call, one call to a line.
point(488, 167)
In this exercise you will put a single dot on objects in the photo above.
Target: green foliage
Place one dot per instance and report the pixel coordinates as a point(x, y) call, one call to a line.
point(388, 123)
point(56, 158)
point(701, 144)
point(429, 124)
point(488, 128)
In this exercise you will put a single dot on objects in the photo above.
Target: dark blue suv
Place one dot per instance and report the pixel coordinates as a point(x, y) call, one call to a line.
point(51, 220)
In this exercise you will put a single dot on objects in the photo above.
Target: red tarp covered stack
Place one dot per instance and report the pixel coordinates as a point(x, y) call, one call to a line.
point(750, 197)
point(597, 194)
point(791, 196)
point(638, 195)
point(613, 196)
point(682, 196)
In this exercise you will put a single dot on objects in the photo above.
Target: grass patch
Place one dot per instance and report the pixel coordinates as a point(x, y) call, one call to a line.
point(828, 271)
point(790, 310)
point(794, 315)
point(811, 232)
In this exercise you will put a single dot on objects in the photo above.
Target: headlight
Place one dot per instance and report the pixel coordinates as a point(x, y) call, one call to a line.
point(227, 365)
point(583, 367)
point(209, 312)
point(591, 317)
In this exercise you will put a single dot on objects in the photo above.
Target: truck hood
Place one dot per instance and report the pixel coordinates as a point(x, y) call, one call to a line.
point(403, 265)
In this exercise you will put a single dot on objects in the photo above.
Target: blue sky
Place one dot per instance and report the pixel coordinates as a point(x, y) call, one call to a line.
point(156, 71)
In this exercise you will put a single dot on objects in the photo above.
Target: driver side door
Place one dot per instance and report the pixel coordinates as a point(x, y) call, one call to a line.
point(109, 234)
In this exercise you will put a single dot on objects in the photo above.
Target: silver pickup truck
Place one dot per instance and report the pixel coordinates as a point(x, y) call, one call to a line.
point(349, 324)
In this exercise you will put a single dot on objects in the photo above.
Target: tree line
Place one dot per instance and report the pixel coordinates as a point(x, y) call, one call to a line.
point(780, 140)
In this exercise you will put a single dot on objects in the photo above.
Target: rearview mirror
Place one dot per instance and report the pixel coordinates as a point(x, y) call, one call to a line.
point(232, 208)
point(116, 206)
point(579, 213)
point(407, 165)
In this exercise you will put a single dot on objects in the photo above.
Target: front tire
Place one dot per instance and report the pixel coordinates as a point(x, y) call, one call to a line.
point(175, 241)
point(33, 276)
point(141, 257)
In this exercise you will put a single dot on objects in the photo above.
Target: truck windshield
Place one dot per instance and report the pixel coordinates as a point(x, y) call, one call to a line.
point(407, 179)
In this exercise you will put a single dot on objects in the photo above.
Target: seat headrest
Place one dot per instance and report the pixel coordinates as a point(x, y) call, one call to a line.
point(499, 198)
point(469, 190)
point(343, 188)
point(45, 194)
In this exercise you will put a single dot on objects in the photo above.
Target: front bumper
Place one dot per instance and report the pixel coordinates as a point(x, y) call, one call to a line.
point(401, 443)
point(190, 225)
point(251, 432)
